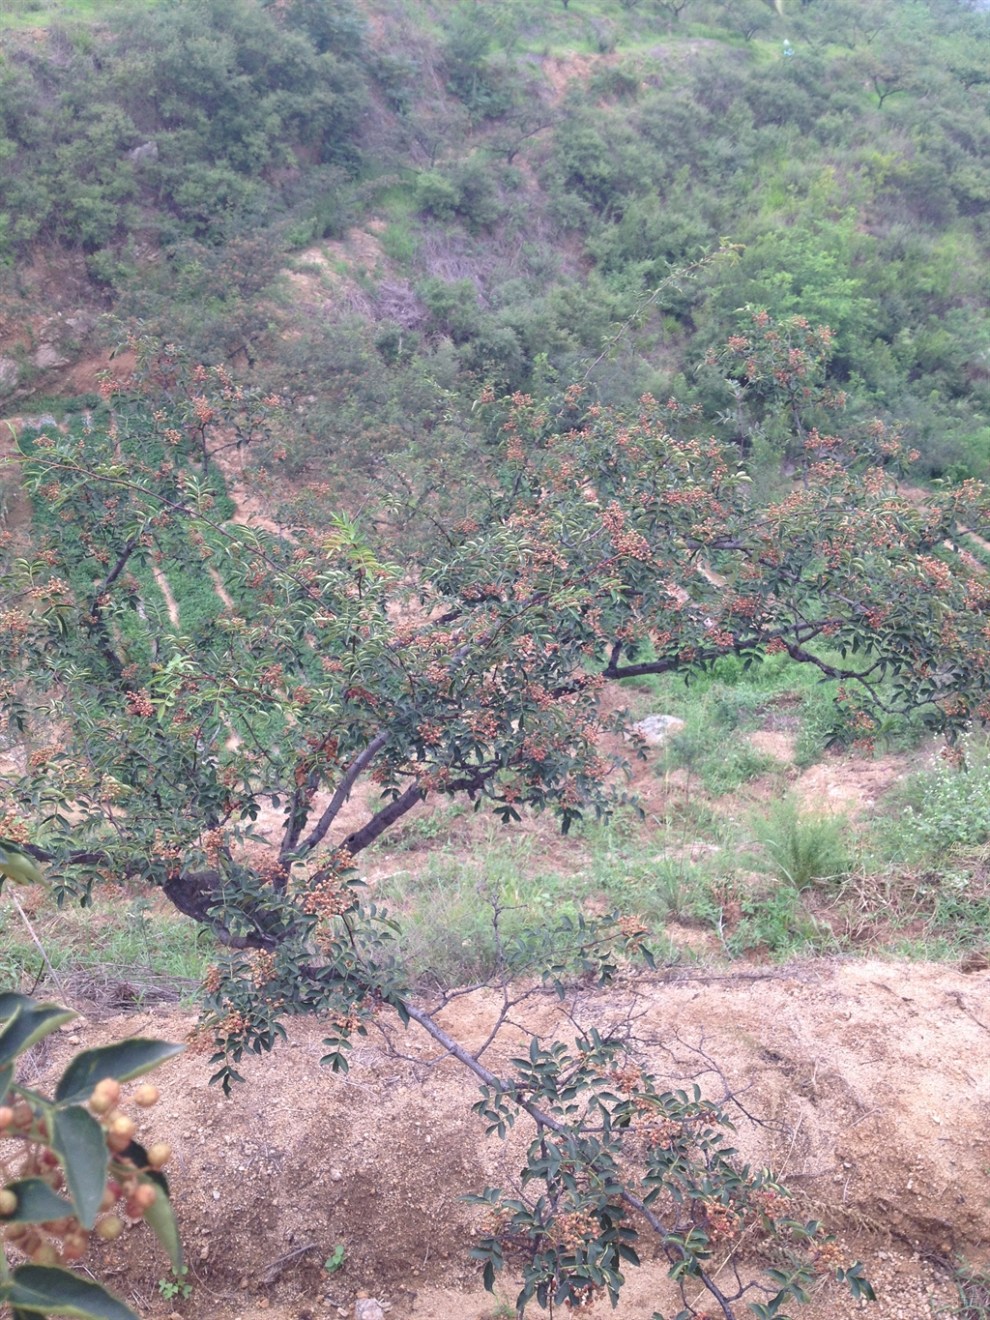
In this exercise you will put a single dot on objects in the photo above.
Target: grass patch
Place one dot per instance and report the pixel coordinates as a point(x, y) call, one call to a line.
point(778, 925)
point(135, 949)
point(42, 13)
point(468, 915)
point(736, 695)
point(399, 242)
point(973, 1286)
point(461, 923)
point(721, 767)
point(660, 876)
point(788, 884)
point(800, 848)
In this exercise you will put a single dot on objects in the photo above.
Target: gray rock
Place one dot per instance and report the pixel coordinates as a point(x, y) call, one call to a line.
point(10, 374)
point(146, 151)
point(658, 729)
point(368, 1308)
point(80, 323)
point(48, 355)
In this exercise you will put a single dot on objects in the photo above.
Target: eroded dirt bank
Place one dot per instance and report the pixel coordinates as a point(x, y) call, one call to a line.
point(870, 1081)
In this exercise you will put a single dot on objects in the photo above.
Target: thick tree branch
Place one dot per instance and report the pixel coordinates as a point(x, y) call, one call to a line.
point(195, 893)
point(117, 569)
point(801, 633)
point(804, 657)
point(372, 829)
point(367, 834)
point(199, 894)
point(343, 792)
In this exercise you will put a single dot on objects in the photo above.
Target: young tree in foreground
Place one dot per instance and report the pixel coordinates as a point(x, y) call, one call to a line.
point(72, 1167)
point(600, 546)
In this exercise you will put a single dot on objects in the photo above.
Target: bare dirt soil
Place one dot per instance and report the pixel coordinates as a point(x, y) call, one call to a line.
point(869, 1084)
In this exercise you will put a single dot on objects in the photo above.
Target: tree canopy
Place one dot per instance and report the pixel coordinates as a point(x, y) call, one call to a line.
point(597, 544)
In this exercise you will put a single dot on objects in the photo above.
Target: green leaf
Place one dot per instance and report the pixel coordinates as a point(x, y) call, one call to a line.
point(27, 1025)
point(10, 1002)
point(46, 1290)
point(81, 1143)
point(857, 1282)
point(6, 1077)
point(161, 1217)
point(337, 1061)
point(17, 865)
point(128, 1059)
point(36, 1202)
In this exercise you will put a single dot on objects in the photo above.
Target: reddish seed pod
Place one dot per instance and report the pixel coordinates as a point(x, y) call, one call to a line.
point(122, 1126)
point(8, 1202)
point(120, 1132)
point(146, 1095)
point(140, 1201)
point(74, 1246)
point(23, 1115)
point(105, 1095)
point(159, 1154)
point(145, 1196)
point(6, 1116)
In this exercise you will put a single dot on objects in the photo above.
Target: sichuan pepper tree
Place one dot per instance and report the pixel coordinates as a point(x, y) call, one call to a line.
point(601, 544)
point(72, 1169)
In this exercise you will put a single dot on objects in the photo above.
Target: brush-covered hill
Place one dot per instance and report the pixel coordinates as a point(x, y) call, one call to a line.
point(378, 205)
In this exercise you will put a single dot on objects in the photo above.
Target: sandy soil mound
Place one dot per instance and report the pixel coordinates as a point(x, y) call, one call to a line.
point(870, 1081)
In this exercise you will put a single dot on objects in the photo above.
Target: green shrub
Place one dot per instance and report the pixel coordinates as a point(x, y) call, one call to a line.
point(802, 848)
point(436, 195)
point(947, 807)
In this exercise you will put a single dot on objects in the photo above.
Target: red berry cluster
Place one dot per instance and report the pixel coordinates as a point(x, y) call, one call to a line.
point(128, 1194)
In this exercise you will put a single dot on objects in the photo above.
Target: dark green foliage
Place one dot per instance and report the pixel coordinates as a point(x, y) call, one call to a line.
point(331, 25)
point(474, 74)
point(184, 107)
point(849, 174)
point(60, 1143)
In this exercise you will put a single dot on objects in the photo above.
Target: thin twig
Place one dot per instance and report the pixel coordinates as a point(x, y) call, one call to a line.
point(279, 1264)
point(41, 948)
